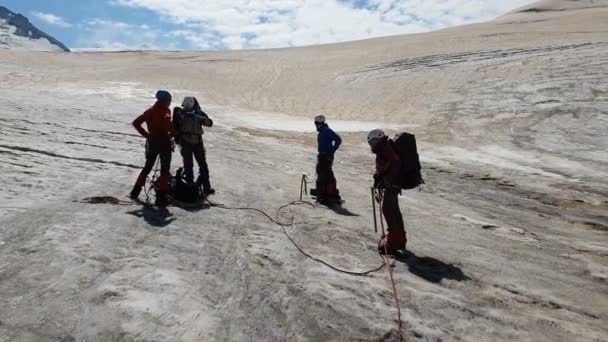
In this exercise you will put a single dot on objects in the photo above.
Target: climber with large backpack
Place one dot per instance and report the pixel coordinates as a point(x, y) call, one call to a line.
point(188, 122)
point(329, 142)
point(405, 146)
point(397, 168)
point(158, 144)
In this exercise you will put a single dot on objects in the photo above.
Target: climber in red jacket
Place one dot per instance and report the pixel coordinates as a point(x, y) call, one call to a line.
point(159, 143)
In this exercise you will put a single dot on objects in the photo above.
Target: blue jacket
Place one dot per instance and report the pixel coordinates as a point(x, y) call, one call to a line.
point(329, 142)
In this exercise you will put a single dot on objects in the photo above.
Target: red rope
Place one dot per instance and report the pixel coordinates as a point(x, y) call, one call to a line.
point(390, 273)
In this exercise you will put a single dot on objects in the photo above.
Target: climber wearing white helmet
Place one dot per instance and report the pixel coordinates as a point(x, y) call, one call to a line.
point(189, 103)
point(328, 143)
point(375, 136)
point(387, 179)
point(188, 122)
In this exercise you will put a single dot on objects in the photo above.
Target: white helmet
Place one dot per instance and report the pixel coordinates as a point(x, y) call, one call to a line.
point(320, 119)
point(375, 136)
point(189, 102)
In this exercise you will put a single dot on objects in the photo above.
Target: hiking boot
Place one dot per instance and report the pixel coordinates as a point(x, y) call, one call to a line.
point(209, 191)
point(399, 253)
point(135, 192)
point(384, 250)
point(396, 239)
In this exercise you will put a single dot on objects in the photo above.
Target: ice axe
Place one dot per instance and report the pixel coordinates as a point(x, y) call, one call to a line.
point(373, 190)
point(303, 186)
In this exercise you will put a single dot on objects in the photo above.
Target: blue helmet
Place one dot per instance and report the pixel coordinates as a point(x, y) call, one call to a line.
point(163, 95)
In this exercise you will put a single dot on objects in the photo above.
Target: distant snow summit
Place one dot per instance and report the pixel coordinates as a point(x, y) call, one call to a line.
point(16, 32)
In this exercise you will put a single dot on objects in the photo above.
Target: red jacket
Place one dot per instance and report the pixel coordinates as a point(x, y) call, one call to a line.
point(158, 120)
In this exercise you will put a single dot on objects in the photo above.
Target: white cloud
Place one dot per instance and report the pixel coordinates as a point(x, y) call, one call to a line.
point(51, 19)
point(99, 34)
point(236, 24)
point(198, 40)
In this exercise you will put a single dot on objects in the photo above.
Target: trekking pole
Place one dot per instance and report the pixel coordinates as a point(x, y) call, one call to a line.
point(303, 186)
point(374, 209)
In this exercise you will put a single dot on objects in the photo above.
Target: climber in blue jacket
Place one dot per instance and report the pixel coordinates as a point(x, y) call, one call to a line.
point(328, 143)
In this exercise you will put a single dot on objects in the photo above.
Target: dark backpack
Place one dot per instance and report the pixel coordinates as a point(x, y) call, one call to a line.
point(404, 145)
point(184, 192)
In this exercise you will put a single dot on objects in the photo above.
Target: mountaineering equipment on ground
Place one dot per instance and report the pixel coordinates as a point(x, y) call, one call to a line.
point(404, 145)
point(304, 186)
point(181, 193)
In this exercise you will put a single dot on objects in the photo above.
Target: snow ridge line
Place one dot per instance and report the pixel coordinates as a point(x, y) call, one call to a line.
point(56, 155)
point(536, 300)
point(443, 60)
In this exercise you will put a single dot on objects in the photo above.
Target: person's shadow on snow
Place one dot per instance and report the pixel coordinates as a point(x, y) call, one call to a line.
point(157, 217)
point(340, 210)
point(431, 269)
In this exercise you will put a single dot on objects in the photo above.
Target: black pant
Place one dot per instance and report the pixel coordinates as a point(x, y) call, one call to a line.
point(154, 149)
point(198, 152)
point(326, 180)
point(391, 210)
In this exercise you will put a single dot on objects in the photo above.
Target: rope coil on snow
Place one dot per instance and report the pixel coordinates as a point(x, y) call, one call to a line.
point(283, 225)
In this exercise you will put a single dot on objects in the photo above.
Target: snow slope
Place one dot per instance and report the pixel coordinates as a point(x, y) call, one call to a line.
point(508, 235)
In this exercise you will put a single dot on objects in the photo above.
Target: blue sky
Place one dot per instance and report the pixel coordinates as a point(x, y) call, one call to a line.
point(238, 24)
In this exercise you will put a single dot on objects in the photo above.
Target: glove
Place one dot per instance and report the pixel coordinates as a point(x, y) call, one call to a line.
point(208, 122)
point(379, 196)
point(377, 181)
